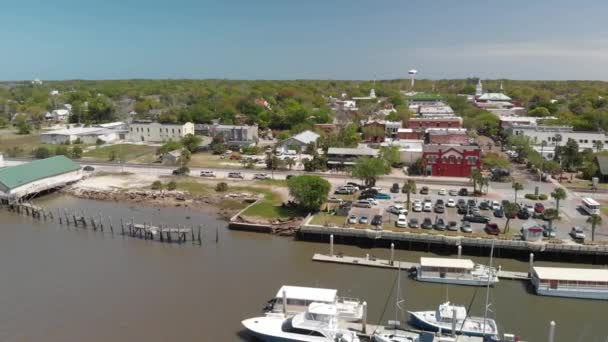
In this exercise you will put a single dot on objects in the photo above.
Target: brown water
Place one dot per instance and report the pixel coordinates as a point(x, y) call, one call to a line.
point(69, 284)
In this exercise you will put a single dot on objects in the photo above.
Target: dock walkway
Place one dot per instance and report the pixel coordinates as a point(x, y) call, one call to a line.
point(384, 263)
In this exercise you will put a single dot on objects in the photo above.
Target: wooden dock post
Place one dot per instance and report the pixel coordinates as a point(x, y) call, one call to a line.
point(122, 226)
point(459, 251)
point(92, 223)
point(132, 227)
point(217, 234)
point(192, 233)
point(100, 221)
point(162, 239)
point(110, 223)
point(199, 235)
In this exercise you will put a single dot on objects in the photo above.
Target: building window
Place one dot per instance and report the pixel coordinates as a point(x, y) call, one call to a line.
point(167, 130)
point(179, 131)
point(148, 130)
point(131, 129)
point(172, 130)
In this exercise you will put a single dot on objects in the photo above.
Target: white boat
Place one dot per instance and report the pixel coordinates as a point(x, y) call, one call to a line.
point(319, 323)
point(455, 271)
point(299, 298)
point(571, 282)
point(448, 317)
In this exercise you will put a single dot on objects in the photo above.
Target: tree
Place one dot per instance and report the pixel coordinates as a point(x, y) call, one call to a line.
point(539, 112)
point(309, 191)
point(594, 220)
point(23, 127)
point(558, 194)
point(551, 215)
point(369, 169)
point(391, 157)
point(569, 154)
point(511, 209)
point(191, 142)
point(171, 185)
point(42, 152)
point(77, 152)
point(476, 178)
point(373, 133)
point(290, 162)
point(157, 185)
point(409, 187)
point(599, 145)
point(62, 150)
point(185, 157)
point(112, 155)
point(517, 186)
point(221, 187)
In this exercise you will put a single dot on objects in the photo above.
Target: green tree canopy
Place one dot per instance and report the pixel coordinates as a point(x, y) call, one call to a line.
point(369, 169)
point(309, 191)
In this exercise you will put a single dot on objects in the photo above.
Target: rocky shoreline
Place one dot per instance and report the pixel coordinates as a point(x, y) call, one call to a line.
point(167, 199)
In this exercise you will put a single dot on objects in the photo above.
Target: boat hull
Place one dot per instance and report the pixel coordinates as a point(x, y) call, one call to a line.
point(430, 326)
point(454, 281)
point(603, 295)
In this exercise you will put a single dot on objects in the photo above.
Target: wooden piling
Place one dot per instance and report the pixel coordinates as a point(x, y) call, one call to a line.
point(199, 235)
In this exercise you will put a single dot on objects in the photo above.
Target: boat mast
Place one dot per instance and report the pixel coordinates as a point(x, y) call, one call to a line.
point(485, 312)
point(397, 295)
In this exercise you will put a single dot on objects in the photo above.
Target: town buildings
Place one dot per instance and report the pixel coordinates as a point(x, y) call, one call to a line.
point(435, 122)
point(300, 140)
point(87, 135)
point(240, 135)
point(410, 150)
point(559, 136)
point(456, 136)
point(390, 128)
point(339, 157)
point(450, 160)
point(155, 132)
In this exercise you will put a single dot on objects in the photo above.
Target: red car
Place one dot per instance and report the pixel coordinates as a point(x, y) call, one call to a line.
point(492, 229)
point(539, 208)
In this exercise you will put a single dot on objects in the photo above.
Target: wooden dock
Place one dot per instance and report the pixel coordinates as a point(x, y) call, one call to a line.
point(405, 265)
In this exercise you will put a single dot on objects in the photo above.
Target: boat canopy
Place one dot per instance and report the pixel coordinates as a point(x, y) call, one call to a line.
point(323, 309)
point(571, 274)
point(311, 294)
point(446, 311)
point(447, 263)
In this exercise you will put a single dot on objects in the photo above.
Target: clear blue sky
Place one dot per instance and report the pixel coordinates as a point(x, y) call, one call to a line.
point(287, 39)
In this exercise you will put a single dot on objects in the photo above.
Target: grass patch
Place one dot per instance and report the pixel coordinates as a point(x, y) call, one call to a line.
point(106, 173)
point(324, 219)
point(273, 182)
point(270, 206)
point(128, 151)
point(203, 159)
point(195, 188)
point(583, 183)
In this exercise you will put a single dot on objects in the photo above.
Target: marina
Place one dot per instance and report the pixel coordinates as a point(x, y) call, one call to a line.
point(455, 271)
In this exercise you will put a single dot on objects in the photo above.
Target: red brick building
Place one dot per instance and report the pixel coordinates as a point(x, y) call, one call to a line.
point(441, 122)
point(410, 134)
point(451, 136)
point(450, 160)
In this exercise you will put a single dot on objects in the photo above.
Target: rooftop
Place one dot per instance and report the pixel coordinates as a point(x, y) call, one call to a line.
point(16, 176)
point(306, 137)
point(425, 97)
point(308, 293)
point(353, 151)
point(76, 131)
point(447, 262)
point(574, 274)
point(602, 162)
point(446, 147)
point(494, 97)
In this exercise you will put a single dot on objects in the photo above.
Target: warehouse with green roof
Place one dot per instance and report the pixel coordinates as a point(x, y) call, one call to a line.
point(40, 175)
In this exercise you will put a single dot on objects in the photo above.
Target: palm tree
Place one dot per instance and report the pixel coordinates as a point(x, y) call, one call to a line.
point(511, 210)
point(185, 157)
point(517, 186)
point(485, 181)
point(290, 162)
point(558, 194)
point(475, 177)
point(599, 145)
point(551, 215)
point(594, 220)
point(409, 187)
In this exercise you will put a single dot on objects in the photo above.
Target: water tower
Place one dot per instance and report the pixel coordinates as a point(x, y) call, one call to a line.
point(412, 74)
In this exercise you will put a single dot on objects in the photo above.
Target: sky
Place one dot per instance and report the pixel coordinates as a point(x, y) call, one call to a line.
point(303, 39)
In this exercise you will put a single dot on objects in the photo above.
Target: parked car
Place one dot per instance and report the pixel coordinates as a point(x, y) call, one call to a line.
point(499, 212)
point(377, 220)
point(363, 204)
point(261, 176)
point(442, 192)
point(401, 221)
point(428, 207)
point(462, 209)
point(181, 171)
point(395, 188)
point(343, 190)
point(453, 192)
point(451, 203)
point(413, 223)
point(368, 193)
point(463, 192)
point(577, 233)
point(335, 200)
point(529, 208)
point(382, 196)
point(477, 218)
point(363, 219)
point(417, 207)
point(539, 208)
point(460, 202)
point(207, 173)
point(88, 168)
point(453, 226)
point(424, 190)
point(472, 203)
point(440, 224)
point(523, 214)
point(496, 205)
point(397, 209)
point(358, 186)
point(235, 175)
point(492, 229)
point(439, 208)
point(427, 223)
point(352, 219)
point(485, 205)
point(465, 227)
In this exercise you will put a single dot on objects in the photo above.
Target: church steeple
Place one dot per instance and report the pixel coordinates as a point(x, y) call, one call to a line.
point(479, 88)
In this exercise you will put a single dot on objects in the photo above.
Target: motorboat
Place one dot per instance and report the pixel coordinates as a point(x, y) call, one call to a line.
point(319, 323)
point(298, 299)
point(455, 271)
point(449, 317)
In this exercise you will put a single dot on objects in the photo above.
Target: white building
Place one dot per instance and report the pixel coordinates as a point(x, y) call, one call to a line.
point(439, 110)
point(301, 139)
point(372, 96)
point(241, 135)
point(145, 131)
point(58, 115)
point(410, 150)
point(559, 136)
point(87, 135)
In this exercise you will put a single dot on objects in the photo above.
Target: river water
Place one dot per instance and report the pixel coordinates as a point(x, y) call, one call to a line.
point(70, 284)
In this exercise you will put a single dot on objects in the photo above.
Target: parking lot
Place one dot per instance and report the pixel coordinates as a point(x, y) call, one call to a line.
point(562, 227)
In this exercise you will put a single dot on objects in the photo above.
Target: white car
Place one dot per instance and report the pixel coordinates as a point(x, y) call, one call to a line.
point(428, 207)
point(450, 203)
point(397, 209)
point(496, 205)
point(401, 221)
point(373, 201)
point(443, 192)
point(577, 233)
point(261, 176)
point(335, 200)
point(363, 204)
point(352, 219)
point(207, 173)
point(417, 207)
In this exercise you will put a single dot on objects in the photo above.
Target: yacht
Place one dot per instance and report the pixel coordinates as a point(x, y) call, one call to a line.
point(298, 299)
point(319, 323)
point(448, 317)
point(455, 271)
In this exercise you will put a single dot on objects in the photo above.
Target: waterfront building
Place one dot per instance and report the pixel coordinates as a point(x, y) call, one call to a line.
point(155, 132)
point(450, 160)
point(455, 271)
point(570, 282)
